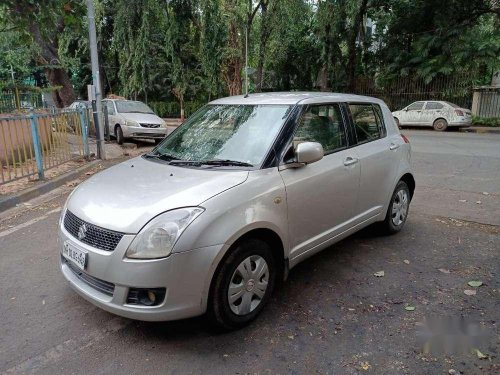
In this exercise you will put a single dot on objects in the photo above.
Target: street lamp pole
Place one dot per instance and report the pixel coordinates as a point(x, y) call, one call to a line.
point(96, 80)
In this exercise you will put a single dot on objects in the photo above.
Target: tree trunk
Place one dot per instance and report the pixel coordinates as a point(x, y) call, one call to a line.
point(265, 32)
point(352, 47)
point(57, 76)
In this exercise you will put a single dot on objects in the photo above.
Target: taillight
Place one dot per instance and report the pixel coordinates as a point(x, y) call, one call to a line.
point(459, 112)
point(405, 139)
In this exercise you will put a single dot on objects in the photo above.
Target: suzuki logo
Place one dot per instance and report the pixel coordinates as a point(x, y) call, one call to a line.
point(82, 232)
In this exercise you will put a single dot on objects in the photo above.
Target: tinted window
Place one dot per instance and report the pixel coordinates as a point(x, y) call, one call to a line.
point(322, 124)
point(433, 105)
point(415, 106)
point(365, 122)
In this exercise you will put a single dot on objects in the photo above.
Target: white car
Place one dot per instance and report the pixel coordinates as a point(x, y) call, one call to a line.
point(438, 114)
point(133, 119)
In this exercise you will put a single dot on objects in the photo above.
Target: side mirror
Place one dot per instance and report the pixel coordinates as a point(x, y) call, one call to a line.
point(406, 109)
point(309, 152)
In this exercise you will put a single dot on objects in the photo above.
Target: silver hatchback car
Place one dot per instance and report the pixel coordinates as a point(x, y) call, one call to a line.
point(226, 205)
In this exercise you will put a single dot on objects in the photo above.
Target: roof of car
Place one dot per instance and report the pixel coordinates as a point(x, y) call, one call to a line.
point(293, 97)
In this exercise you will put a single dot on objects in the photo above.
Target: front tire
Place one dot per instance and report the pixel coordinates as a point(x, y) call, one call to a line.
point(119, 135)
point(440, 125)
point(397, 212)
point(242, 285)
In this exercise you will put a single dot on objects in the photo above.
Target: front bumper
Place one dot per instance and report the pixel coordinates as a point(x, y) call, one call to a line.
point(141, 132)
point(184, 275)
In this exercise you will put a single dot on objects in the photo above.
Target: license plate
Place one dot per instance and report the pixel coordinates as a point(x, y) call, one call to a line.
point(77, 256)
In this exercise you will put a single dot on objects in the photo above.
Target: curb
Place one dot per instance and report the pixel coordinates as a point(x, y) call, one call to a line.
point(481, 130)
point(44, 187)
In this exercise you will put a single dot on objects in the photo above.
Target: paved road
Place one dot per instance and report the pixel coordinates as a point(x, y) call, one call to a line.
point(332, 316)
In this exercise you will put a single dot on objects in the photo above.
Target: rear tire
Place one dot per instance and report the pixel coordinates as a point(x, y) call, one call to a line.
point(119, 135)
point(398, 209)
point(440, 125)
point(242, 285)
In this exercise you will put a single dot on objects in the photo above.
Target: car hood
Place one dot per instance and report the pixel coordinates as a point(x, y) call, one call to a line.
point(147, 118)
point(125, 197)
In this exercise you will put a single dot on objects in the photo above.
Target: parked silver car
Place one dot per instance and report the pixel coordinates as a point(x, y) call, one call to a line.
point(133, 119)
point(438, 114)
point(229, 202)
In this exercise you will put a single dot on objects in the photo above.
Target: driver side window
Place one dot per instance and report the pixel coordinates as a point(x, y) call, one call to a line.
point(322, 124)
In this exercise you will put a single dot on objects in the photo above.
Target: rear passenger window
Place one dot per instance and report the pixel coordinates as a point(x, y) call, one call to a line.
point(322, 124)
point(433, 105)
point(367, 121)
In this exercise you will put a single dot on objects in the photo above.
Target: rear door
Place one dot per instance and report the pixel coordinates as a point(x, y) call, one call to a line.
point(431, 112)
point(379, 157)
point(321, 196)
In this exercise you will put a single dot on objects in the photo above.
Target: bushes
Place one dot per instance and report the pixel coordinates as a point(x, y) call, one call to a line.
point(485, 121)
point(173, 109)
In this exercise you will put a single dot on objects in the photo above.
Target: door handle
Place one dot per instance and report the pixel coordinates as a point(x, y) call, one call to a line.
point(393, 146)
point(350, 161)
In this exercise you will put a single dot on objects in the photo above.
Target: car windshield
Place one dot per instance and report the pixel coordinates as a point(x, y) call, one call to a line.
point(129, 106)
point(226, 133)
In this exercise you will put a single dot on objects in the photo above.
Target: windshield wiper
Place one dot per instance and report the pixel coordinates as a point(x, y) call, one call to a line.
point(226, 162)
point(165, 157)
point(214, 162)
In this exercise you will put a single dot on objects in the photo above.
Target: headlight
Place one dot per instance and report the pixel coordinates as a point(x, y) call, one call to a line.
point(131, 123)
point(158, 237)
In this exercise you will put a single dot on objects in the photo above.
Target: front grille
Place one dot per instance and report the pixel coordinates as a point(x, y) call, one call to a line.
point(150, 125)
point(95, 236)
point(98, 284)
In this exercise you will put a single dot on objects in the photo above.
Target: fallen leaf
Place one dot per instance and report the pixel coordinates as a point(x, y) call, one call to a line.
point(463, 200)
point(444, 270)
point(225, 355)
point(290, 337)
point(406, 261)
point(410, 308)
point(475, 283)
point(478, 202)
point(365, 365)
point(486, 193)
point(480, 355)
point(379, 274)
point(470, 292)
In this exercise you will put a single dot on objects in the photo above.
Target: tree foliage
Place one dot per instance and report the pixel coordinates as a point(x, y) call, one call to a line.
point(164, 50)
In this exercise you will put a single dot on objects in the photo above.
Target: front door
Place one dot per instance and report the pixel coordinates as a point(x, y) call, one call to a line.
point(321, 196)
point(412, 114)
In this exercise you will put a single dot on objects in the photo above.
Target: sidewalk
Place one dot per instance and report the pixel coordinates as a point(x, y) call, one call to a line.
point(481, 130)
point(22, 190)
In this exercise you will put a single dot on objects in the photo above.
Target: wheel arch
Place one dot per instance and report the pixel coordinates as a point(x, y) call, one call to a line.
point(439, 118)
point(410, 181)
point(266, 234)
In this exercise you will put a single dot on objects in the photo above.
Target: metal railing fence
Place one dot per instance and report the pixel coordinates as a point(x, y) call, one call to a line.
point(32, 144)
